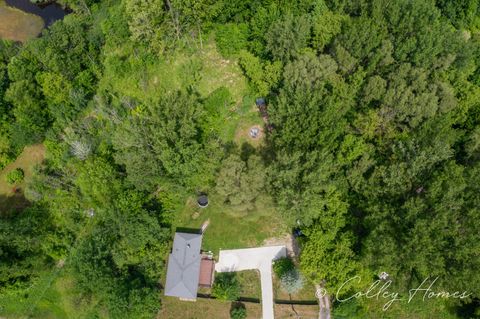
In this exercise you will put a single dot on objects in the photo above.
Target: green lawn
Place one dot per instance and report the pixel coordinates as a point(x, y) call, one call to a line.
point(173, 308)
point(228, 230)
point(307, 293)
point(250, 282)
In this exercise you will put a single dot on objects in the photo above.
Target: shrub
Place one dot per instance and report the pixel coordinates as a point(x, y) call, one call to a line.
point(292, 281)
point(263, 76)
point(282, 266)
point(238, 312)
point(15, 176)
point(231, 38)
point(226, 287)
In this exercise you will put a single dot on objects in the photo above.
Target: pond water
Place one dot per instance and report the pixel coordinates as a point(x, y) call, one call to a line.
point(49, 13)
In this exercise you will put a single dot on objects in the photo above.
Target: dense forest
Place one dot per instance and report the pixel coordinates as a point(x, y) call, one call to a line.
point(372, 148)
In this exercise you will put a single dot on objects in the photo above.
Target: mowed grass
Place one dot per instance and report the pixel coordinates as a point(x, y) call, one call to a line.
point(307, 293)
point(17, 25)
point(229, 229)
point(30, 157)
point(173, 308)
point(250, 283)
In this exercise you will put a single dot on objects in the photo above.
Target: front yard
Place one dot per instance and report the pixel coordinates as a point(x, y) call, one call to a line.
point(173, 308)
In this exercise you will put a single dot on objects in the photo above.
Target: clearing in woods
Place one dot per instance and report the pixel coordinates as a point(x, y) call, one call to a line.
point(31, 156)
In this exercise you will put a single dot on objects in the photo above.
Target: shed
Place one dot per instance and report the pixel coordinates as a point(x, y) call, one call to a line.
point(260, 101)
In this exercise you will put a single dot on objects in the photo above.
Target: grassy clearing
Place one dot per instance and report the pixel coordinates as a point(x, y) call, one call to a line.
point(228, 230)
point(217, 72)
point(17, 25)
point(31, 156)
point(204, 69)
point(51, 296)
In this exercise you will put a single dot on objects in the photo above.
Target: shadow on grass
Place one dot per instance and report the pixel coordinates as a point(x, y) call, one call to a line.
point(241, 299)
point(188, 230)
point(257, 300)
point(295, 302)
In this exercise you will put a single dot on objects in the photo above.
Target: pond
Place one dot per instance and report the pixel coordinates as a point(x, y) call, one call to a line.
point(50, 12)
point(21, 20)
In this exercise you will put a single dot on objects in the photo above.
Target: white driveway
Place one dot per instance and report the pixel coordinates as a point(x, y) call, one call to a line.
point(254, 258)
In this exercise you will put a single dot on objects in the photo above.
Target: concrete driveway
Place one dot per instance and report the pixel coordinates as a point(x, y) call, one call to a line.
point(254, 258)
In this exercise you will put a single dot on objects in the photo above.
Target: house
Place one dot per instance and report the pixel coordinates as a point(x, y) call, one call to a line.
point(187, 267)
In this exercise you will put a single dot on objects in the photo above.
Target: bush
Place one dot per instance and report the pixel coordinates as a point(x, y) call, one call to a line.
point(231, 38)
point(292, 281)
point(226, 287)
point(238, 312)
point(263, 75)
point(15, 176)
point(282, 266)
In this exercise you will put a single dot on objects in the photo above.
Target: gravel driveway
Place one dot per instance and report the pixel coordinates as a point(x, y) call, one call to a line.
point(254, 258)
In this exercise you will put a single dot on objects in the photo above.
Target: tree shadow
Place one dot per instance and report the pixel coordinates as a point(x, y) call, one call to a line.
point(246, 150)
point(14, 203)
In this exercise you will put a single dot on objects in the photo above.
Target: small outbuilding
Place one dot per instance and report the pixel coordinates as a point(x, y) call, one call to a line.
point(202, 201)
point(260, 102)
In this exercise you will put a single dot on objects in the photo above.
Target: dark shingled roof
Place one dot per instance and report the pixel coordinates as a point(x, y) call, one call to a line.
point(184, 266)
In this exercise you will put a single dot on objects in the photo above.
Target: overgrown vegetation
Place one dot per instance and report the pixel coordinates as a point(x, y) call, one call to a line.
point(15, 176)
point(370, 146)
point(238, 311)
point(226, 287)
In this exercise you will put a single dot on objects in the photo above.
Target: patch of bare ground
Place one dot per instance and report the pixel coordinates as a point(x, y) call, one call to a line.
point(287, 240)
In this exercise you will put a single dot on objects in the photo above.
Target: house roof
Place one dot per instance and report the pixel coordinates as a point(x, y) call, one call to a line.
point(184, 266)
point(260, 101)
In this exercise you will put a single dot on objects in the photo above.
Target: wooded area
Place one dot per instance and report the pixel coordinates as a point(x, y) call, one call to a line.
point(373, 149)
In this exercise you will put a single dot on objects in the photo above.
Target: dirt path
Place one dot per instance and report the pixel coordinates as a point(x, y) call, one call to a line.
point(323, 302)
